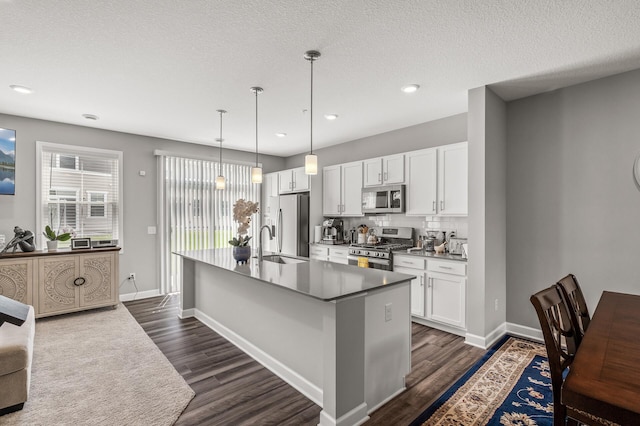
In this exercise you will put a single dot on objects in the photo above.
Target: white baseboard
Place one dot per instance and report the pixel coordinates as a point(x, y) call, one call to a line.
point(186, 313)
point(308, 389)
point(485, 342)
point(140, 295)
point(355, 417)
point(524, 331)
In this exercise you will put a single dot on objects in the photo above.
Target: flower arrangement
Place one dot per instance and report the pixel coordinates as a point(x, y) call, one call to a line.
point(62, 235)
point(242, 211)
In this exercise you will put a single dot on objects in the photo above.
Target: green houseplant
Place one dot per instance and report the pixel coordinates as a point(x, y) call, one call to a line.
point(242, 211)
point(53, 238)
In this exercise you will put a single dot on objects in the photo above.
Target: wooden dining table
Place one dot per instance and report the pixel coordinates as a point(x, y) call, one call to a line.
point(604, 379)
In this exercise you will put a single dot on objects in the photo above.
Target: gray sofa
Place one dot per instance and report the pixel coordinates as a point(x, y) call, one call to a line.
point(16, 353)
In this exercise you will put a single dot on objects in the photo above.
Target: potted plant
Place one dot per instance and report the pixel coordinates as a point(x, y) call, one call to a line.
point(53, 238)
point(242, 211)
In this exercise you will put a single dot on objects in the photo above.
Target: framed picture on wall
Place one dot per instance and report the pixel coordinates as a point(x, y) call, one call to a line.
point(7, 162)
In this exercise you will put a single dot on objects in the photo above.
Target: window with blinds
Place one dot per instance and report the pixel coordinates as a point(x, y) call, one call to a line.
point(80, 191)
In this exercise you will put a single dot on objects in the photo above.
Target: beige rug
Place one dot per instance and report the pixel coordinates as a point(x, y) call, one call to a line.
point(100, 368)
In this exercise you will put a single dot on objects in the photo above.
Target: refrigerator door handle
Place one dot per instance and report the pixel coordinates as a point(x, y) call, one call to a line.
point(279, 237)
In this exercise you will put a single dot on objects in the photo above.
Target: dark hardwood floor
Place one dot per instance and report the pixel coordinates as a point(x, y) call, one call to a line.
point(233, 389)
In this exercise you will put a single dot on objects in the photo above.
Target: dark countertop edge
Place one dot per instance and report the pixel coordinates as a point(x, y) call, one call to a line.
point(354, 294)
point(39, 253)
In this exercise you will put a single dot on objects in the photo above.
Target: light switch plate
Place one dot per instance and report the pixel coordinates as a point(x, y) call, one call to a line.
point(151, 230)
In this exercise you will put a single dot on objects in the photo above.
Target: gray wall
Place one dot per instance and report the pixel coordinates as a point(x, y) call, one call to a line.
point(140, 255)
point(573, 205)
point(487, 212)
point(433, 133)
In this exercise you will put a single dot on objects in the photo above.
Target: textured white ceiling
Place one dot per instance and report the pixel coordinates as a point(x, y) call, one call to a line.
point(162, 67)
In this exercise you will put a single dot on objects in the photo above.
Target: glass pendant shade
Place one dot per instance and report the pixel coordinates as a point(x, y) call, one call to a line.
point(256, 175)
point(220, 182)
point(311, 164)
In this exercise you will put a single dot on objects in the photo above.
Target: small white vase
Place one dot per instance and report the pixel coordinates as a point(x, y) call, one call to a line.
point(52, 245)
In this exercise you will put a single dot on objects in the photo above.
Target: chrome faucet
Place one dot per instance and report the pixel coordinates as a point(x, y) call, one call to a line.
point(260, 240)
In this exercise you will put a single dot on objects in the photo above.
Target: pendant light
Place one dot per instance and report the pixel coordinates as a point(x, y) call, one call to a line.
point(220, 181)
point(311, 160)
point(256, 172)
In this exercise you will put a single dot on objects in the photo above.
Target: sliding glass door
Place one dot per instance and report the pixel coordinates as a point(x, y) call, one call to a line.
point(194, 215)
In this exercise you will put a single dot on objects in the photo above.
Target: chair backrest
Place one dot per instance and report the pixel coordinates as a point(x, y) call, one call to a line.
point(560, 337)
point(578, 306)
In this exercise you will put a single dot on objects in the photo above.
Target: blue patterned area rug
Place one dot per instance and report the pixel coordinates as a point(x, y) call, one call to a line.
point(510, 385)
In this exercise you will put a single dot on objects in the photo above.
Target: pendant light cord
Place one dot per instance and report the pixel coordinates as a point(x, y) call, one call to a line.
point(311, 112)
point(220, 143)
point(256, 128)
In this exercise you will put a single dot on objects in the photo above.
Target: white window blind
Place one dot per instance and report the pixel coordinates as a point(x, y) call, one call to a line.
point(196, 215)
point(80, 191)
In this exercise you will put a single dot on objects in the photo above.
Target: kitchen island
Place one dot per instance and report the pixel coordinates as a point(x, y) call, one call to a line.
point(339, 334)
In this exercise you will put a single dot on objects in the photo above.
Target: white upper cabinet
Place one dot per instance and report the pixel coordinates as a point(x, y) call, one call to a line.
point(384, 170)
point(342, 190)
point(453, 172)
point(352, 189)
point(422, 182)
point(270, 194)
point(331, 190)
point(294, 180)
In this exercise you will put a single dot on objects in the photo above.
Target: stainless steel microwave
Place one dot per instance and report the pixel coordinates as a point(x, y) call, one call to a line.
point(383, 199)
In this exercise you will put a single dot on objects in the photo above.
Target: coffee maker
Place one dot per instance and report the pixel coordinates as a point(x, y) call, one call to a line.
point(332, 231)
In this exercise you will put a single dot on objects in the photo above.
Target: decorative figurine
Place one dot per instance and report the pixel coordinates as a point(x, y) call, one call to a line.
point(22, 238)
point(441, 248)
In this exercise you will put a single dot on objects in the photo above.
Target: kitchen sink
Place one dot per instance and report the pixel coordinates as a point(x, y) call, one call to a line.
point(281, 259)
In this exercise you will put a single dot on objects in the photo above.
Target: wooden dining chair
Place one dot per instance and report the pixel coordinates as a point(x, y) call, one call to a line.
point(561, 341)
point(578, 306)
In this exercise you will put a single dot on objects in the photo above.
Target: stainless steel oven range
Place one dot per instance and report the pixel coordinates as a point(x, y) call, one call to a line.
point(379, 255)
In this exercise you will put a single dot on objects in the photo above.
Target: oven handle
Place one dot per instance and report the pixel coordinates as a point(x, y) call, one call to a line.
point(371, 260)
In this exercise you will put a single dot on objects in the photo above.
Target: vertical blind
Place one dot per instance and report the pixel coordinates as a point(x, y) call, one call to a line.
point(196, 215)
point(80, 191)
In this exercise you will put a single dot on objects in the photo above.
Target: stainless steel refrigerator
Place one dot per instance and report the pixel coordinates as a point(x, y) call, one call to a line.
point(292, 226)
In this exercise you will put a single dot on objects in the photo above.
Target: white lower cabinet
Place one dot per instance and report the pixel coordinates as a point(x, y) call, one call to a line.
point(438, 293)
point(339, 254)
point(413, 266)
point(446, 292)
point(318, 252)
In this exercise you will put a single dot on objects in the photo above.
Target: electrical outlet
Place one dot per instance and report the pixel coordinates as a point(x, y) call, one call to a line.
point(496, 305)
point(132, 276)
point(387, 312)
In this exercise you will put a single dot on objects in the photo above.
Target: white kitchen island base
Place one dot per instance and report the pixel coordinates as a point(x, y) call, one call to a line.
point(349, 355)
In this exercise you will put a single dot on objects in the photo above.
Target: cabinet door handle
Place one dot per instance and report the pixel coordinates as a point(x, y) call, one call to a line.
point(429, 282)
point(445, 267)
point(79, 281)
point(380, 177)
point(343, 208)
point(434, 205)
point(441, 204)
point(386, 176)
point(421, 281)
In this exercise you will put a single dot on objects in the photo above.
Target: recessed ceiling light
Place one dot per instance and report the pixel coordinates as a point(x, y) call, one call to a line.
point(90, 117)
point(281, 135)
point(331, 116)
point(410, 88)
point(21, 89)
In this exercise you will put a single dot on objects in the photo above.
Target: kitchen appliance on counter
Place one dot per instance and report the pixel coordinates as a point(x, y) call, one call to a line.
point(292, 226)
point(429, 243)
point(332, 231)
point(455, 245)
point(380, 256)
point(383, 199)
